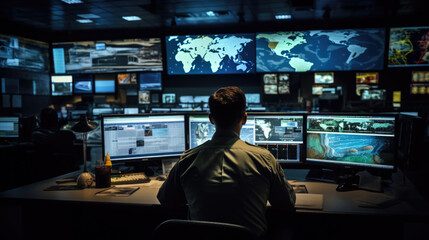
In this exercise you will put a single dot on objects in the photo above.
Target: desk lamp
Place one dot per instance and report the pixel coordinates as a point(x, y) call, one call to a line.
point(84, 126)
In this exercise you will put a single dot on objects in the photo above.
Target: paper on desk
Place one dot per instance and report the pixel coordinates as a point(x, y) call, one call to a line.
point(376, 201)
point(309, 201)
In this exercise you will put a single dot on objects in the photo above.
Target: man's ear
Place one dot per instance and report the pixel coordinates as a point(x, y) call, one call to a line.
point(211, 118)
point(244, 119)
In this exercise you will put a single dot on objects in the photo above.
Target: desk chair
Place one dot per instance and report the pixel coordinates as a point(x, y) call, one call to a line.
point(200, 230)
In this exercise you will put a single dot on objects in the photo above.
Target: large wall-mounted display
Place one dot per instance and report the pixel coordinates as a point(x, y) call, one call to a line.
point(408, 47)
point(107, 56)
point(24, 54)
point(208, 54)
point(320, 50)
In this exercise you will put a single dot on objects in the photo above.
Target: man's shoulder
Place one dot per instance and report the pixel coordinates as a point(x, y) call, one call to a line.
point(254, 148)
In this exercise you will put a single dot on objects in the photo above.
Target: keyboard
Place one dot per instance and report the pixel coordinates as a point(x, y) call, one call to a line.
point(129, 178)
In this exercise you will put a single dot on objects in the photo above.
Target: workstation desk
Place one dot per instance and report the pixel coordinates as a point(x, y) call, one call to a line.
point(31, 212)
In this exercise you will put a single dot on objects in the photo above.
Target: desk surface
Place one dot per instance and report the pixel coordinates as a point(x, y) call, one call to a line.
point(409, 202)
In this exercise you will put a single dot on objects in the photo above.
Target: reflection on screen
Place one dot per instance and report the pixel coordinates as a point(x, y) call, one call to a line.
point(282, 135)
point(136, 137)
point(351, 140)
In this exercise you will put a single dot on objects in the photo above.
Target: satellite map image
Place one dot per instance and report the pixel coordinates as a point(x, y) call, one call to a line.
point(206, 54)
point(320, 50)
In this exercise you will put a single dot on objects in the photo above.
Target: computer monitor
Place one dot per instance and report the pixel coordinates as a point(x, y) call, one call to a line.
point(324, 78)
point(348, 140)
point(150, 81)
point(131, 110)
point(128, 137)
point(96, 112)
point(9, 127)
point(373, 94)
point(127, 78)
point(280, 133)
point(75, 114)
point(61, 85)
point(253, 98)
point(83, 84)
point(105, 83)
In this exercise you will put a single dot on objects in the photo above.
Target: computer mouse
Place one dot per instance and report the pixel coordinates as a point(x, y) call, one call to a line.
point(159, 178)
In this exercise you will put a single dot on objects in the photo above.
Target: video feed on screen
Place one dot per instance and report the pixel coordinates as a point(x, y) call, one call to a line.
point(373, 94)
point(317, 90)
point(128, 137)
point(107, 56)
point(105, 83)
point(211, 54)
point(419, 89)
point(420, 76)
point(367, 78)
point(253, 98)
point(127, 78)
point(150, 81)
point(168, 98)
point(83, 84)
point(281, 135)
point(351, 140)
point(62, 85)
point(23, 54)
point(324, 78)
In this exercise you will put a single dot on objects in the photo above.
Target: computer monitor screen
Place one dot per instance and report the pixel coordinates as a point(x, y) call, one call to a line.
point(103, 56)
point(23, 54)
point(320, 50)
point(83, 84)
point(168, 98)
point(317, 90)
point(253, 98)
point(367, 78)
point(351, 140)
point(9, 127)
point(96, 112)
point(150, 81)
point(324, 78)
point(211, 53)
point(75, 114)
point(131, 110)
point(127, 137)
point(373, 94)
point(407, 47)
point(61, 85)
point(420, 76)
point(127, 78)
point(281, 134)
point(105, 83)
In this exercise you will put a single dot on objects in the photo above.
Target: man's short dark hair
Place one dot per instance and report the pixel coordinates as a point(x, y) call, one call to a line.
point(227, 106)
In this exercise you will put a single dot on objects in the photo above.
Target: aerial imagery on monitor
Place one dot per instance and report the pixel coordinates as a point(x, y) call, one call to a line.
point(275, 129)
point(206, 54)
point(409, 46)
point(320, 50)
point(359, 141)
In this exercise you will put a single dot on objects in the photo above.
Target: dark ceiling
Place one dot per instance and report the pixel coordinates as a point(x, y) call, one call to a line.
point(58, 16)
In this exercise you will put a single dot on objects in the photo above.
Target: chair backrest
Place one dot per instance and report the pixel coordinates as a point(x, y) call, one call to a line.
point(201, 230)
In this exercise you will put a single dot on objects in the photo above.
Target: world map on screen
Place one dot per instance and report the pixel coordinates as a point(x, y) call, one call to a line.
point(207, 54)
point(320, 50)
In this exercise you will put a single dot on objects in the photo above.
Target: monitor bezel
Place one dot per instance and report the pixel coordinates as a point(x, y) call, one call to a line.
point(102, 116)
point(343, 166)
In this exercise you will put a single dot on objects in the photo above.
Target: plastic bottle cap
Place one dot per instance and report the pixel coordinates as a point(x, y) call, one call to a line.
point(108, 162)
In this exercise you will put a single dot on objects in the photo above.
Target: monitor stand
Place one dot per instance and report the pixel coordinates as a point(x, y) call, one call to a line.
point(347, 179)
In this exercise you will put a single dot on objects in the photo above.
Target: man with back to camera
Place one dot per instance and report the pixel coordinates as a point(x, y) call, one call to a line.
point(226, 179)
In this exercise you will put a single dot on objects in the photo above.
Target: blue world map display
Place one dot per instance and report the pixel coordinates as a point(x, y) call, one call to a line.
point(320, 50)
point(208, 54)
